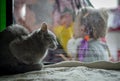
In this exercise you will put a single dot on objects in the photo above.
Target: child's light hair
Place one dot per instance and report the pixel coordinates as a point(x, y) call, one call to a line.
point(94, 20)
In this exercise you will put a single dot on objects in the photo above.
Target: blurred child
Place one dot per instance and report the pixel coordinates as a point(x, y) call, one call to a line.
point(65, 30)
point(93, 26)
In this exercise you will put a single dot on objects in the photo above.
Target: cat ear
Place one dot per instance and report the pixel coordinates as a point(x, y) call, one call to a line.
point(44, 27)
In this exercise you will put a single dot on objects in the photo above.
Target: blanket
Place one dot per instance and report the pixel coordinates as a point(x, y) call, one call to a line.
point(71, 71)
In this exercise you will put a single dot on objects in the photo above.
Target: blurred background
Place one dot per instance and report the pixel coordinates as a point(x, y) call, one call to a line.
point(57, 13)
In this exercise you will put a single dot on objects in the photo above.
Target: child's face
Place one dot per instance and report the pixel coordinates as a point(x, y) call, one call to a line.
point(63, 20)
point(66, 19)
point(82, 31)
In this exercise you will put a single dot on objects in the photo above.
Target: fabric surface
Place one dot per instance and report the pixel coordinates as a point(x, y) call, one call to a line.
point(94, 54)
point(73, 73)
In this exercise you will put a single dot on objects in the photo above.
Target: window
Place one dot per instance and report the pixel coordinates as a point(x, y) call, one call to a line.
point(104, 3)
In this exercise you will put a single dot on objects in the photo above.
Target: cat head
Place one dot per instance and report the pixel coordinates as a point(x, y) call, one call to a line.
point(47, 37)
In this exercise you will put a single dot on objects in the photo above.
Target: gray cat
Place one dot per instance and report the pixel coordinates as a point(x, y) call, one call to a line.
point(22, 51)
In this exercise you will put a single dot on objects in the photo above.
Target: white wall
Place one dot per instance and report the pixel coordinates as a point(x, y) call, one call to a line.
point(113, 40)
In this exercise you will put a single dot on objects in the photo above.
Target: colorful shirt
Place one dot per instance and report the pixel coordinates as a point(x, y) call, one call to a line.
point(96, 51)
point(64, 34)
point(72, 47)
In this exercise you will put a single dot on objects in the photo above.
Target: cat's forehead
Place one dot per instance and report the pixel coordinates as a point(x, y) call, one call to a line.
point(50, 32)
